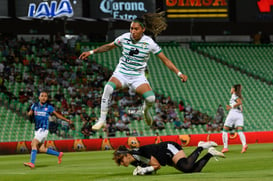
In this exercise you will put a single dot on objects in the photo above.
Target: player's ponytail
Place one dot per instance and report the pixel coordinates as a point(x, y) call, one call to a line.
point(153, 22)
point(238, 89)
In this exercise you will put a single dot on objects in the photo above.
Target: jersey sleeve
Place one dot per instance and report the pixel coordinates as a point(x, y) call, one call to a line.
point(119, 40)
point(32, 107)
point(50, 109)
point(155, 48)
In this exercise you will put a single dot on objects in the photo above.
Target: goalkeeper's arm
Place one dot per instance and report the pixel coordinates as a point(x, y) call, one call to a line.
point(155, 165)
point(143, 170)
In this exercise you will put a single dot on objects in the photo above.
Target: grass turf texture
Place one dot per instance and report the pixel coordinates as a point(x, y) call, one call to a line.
point(255, 164)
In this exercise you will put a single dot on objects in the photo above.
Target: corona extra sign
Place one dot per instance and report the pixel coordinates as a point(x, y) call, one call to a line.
point(120, 9)
point(178, 9)
point(64, 9)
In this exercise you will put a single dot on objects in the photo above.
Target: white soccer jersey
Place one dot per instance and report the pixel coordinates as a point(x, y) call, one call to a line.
point(232, 102)
point(135, 55)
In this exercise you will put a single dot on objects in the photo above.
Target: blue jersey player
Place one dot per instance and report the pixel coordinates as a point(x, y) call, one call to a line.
point(41, 112)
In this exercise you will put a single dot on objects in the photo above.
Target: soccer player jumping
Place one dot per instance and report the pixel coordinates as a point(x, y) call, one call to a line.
point(130, 72)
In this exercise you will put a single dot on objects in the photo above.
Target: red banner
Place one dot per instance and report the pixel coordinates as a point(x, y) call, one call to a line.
point(132, 142)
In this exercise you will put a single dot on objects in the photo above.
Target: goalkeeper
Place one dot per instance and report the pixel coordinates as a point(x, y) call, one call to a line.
point(149, 158)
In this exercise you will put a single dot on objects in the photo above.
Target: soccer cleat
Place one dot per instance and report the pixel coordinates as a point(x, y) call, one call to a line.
point(100, 124)
point(224, 150)
point(244, 148)
point(215, 153)
point(60, 157)
point(206, 145)
point(147, 117)
point(30, 165)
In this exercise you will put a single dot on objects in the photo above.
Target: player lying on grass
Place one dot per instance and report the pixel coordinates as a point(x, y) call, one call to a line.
point(149, 158)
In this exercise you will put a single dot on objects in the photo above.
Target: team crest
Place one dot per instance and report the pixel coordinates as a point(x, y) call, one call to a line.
point(144, 45)
point(106, 145)
point(133, 142)
point(21, 147)
point(78, 145)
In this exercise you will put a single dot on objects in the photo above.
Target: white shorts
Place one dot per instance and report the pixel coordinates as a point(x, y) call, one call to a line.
point(41, 135)
point(130, 81)
point(234, 118)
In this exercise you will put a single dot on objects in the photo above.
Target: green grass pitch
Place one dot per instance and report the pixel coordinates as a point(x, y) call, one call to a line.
point(254, 165)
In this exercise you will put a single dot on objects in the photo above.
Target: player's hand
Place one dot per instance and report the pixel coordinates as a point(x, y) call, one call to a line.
point(84, 55)
point(183, 77)
point(228, 107)
point(70, 122)
point(138, 171)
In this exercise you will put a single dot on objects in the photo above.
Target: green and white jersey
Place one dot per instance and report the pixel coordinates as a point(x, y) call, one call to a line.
point(232, 102)
point(135, 55)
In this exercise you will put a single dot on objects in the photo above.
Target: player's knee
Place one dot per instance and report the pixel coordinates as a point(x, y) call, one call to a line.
point(34, 144)
point(225, 129)
point(183, 165)
point(149, 97)
point(42, 149)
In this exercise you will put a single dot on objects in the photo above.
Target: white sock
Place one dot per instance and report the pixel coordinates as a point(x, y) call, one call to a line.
point(242, 137)
point(225, 139)
point(105, 101)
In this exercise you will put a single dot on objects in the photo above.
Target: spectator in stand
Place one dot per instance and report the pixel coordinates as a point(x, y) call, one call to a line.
point(157, 124)
point(221, 112)
point(111, 129)
point(177, 123)
point(215, 126)
point(86, 129)
point(209, 127)
point(157, 106)
point(200, 117)
point(187, 124)
point(181, 106)
point(125, 119)
point(23, 96)
point(84, 116)
point(134, 133)
point(157, 117)
point(194, 119)
point(120, 126)
point(218, 118)
point(2, 67)
point(127, 133)
point(93, 116)
point(171, 114)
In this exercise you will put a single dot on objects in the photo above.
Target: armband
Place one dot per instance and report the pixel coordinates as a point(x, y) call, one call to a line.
point(91, 52)
point(179, 73)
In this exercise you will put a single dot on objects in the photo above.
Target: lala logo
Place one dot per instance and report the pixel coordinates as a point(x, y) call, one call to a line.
point(45, 11)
